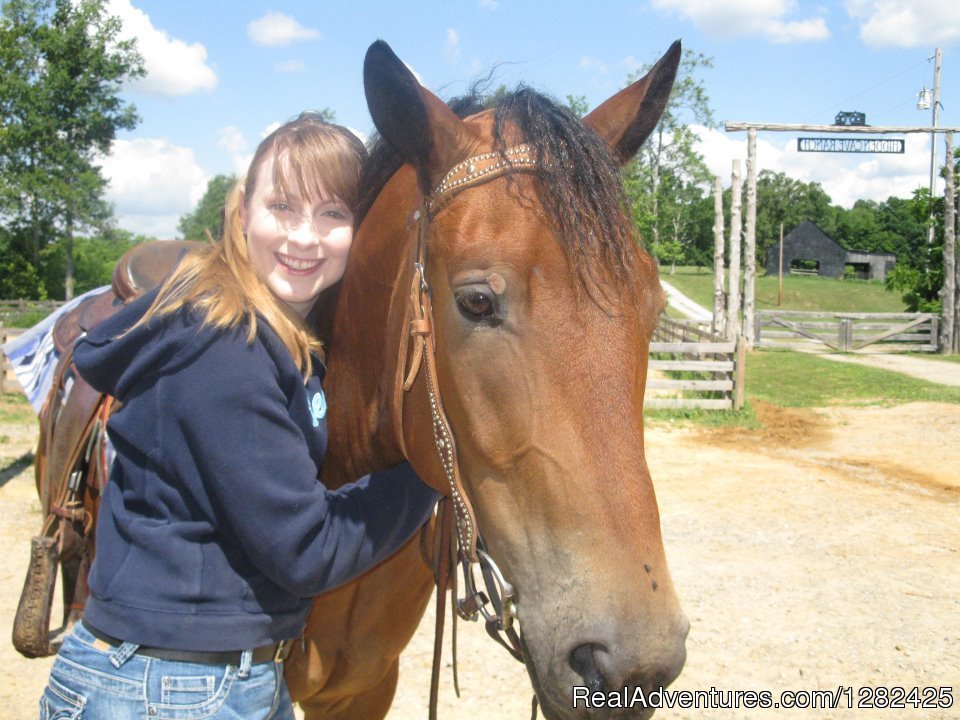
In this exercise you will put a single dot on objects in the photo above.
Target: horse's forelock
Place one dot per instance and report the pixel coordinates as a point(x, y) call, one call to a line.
point(578, 181)
point(580, 187)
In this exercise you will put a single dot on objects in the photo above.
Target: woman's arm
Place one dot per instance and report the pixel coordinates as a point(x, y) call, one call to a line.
point(230, 412)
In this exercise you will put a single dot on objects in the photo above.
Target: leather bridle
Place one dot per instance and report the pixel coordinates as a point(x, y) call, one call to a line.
point(466, 544)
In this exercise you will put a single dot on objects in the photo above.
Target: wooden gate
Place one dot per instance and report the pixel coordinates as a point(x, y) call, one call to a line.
point(847, 332)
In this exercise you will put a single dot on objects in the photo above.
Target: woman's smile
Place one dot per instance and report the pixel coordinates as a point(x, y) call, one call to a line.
point(298, 266)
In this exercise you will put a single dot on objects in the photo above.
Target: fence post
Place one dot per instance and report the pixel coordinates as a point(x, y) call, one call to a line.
point(948, 293)
point(935, 335)
point(756, 329)
point(740, 372)
point(736, 241)
point(845, 340)
point(750, 240)
point(719, 320)
point(3, 360)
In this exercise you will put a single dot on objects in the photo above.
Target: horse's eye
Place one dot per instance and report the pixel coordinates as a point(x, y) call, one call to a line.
point(475, 304)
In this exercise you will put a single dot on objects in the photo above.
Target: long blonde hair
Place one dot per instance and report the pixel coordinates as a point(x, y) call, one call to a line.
point(220, 280)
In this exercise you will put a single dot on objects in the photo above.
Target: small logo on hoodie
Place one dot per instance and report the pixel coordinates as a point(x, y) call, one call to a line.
point(318, 408)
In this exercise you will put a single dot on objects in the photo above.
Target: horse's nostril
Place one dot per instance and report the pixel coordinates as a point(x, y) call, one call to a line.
point(584, 663)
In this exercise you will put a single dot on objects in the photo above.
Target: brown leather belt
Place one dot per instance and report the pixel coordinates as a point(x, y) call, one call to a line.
point(274, 652)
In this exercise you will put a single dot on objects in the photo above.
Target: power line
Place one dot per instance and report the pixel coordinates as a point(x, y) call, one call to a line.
point(839, 103)
point(889, 110)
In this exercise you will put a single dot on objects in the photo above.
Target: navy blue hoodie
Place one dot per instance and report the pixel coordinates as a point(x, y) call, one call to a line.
point(214, 530)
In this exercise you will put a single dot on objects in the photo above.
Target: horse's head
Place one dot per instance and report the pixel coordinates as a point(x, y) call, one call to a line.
point(543, 307)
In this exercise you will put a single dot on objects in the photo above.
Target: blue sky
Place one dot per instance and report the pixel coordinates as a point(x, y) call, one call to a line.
point(221, 74)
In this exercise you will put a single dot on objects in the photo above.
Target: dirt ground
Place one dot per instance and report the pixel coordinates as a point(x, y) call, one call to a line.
point(819, 552)
point(938, 371)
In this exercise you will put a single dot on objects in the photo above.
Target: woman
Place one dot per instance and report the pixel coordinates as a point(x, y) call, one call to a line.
point(214, 531)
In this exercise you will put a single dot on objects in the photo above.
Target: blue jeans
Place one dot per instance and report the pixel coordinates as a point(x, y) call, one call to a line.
point(90, 683)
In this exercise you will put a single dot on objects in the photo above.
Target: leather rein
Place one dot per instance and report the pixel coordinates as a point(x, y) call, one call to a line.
point(465, 545)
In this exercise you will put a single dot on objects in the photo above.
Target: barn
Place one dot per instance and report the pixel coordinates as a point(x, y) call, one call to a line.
point(809, 250)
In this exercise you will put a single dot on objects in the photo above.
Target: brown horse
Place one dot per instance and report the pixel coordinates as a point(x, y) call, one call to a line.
point(511, 225)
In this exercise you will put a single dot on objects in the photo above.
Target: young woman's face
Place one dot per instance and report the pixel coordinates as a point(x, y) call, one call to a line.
point(298, 245)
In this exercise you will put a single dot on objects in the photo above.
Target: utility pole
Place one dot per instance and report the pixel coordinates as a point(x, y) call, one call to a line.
point(780, 272)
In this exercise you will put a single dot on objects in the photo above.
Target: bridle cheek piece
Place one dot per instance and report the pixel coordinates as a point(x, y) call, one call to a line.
point(469, 547)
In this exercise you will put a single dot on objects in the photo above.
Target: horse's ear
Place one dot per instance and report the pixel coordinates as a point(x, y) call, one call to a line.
point(625, 120)
point(419, 126)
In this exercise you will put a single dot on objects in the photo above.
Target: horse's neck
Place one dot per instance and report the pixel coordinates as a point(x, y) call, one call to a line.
point(367, 321)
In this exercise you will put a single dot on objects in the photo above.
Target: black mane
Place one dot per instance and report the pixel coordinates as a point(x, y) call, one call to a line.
point(579, 181)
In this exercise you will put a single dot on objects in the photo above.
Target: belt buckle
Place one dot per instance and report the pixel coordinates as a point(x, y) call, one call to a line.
point(283, 651)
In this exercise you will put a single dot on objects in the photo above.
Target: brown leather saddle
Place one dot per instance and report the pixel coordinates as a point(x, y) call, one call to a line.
point(71, 464)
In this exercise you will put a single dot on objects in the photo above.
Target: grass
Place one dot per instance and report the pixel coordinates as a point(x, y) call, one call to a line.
point(800, 292)
point(786, 378)
point(745, 417)
point(26, 319)
point(794, 379)
point(15, 409)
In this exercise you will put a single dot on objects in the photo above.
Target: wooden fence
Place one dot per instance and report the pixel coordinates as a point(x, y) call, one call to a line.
point(691, 368)
point(11, 311)
point(20, 306)
point(847, 332)
point(7, 378)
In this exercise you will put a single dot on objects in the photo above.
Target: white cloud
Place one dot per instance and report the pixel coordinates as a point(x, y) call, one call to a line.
point(631, 64)
point(846, 178)
point(269, 129)
point(173, 67)
point(451, 48)
point(782, 33)
point(730, 19)
point(592, 64)
point(416, 75)
point(152, 183)
point(275, 29)
point(231, 139)
point(361, 136)
point(489, 4)
point(906, 24)
point(290, 66)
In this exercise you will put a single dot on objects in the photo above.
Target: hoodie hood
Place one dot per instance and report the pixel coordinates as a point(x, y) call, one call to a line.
point(112, 358)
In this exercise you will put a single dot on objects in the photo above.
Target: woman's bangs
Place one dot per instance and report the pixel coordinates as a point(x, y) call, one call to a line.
point(318, 168)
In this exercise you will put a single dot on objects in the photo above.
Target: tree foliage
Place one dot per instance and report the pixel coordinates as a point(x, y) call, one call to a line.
point(918, 275)
point(94, 260)
point(207, 217)
point(786, 200)
point(62, 65)
point(668, 177)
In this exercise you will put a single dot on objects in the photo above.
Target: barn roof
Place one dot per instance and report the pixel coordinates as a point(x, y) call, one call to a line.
point(808, 230)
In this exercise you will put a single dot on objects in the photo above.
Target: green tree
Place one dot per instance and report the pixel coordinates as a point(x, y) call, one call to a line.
point(859, 227)
point(902, 231)
point(918, 274)
point(18, 276)
point(94, 260)
point(206, 220)
point(786, 200)
point(578, 105)
point(62, 65)
point(668, 176)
